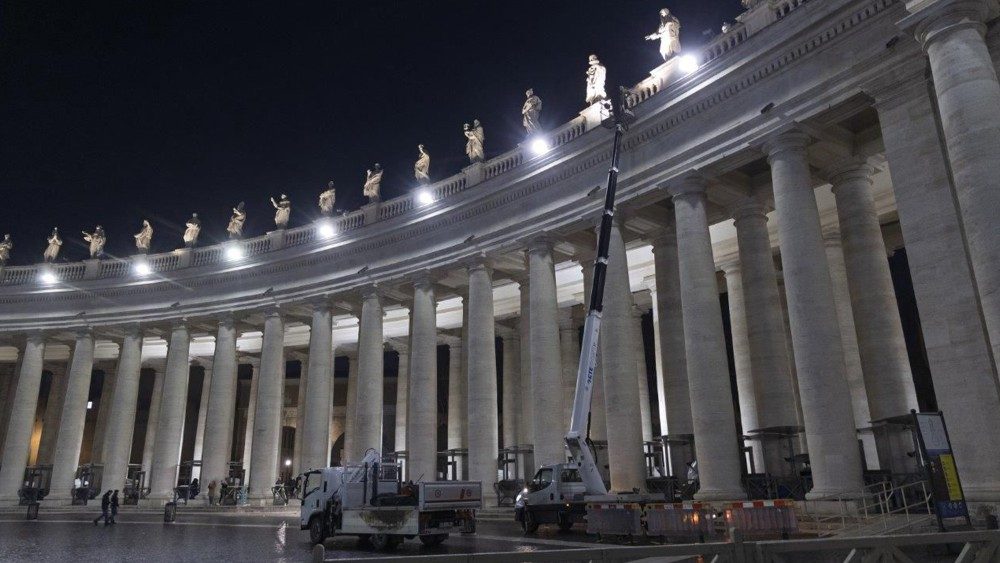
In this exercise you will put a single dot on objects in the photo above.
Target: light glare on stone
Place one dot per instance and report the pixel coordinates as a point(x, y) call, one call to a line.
point(326, 229)
point(687, 63)
point(48, 278)
point(142, 269)
point(234, 253)
point(539, 146)
point(424, 197)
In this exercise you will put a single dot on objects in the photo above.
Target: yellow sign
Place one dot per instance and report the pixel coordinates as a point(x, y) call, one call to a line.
point(950, 476)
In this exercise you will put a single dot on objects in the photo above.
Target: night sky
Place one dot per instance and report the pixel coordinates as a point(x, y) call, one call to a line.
point(112, 112)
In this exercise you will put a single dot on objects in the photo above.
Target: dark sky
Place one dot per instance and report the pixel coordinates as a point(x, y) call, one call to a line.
point(115, 111)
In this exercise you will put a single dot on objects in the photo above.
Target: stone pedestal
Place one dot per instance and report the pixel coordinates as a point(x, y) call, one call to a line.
point(91, 269)
point(276, 239)
point(371, 211)
point(475, 173)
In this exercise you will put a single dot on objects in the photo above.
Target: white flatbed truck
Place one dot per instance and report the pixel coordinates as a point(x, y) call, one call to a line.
point(370, 501)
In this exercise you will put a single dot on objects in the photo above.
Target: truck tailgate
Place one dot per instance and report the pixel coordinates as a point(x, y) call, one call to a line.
point(446, 495)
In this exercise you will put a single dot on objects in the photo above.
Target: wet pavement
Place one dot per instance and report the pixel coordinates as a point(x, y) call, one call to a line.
point(143, 536)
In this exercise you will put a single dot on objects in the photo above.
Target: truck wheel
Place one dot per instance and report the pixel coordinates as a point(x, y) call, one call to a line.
point(528, 524)
point(317, 530)
point(433, 539)
point(565, 523)
point(384, 542)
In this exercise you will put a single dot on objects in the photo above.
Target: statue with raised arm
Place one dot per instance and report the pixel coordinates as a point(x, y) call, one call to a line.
point(97, 239)
point(373, 183)
point(596, 75)
point(530, 112)
point(283, 210)
point(669, 34)
point(473, 144)
point(5, 247)
point(144, 237)
point(327, 198)
point(55, 244)
point(236, 220)
point(422, 167)
point(191, 232)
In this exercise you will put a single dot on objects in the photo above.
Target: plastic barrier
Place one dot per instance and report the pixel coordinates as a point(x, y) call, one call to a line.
point(623, 519)
point(763, 518)
point(680, 520)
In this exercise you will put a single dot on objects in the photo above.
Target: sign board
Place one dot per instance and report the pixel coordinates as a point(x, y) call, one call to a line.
point(939, 462)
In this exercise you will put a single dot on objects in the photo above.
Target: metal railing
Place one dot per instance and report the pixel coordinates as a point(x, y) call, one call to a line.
point(878, 508)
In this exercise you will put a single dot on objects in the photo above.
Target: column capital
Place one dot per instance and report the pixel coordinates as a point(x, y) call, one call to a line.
point(791, 139)
point(133, 330)
point(649, 282)
point(930, 20)
point(908, 81)
point(544, 242)
point(423, 279)
point(505, 332)
point(852, 169)
point(370, 291)
point(479, 262)
point(690, 183)
point(731, 267)
point(749, 209)
point(272, 312)
point(637, 311)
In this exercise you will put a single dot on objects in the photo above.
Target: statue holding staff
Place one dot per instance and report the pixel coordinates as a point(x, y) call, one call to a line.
point(474, 142)
point(530, 111)
point(327, 198)
point(373, 183)
point(283, 211)
point(144, 237)
point(235, 226)
point(422, 168)
point(6, 245)
point(669, 34)
point(55, 244)
point(97, 239)
point(596, 75)
point(191, 232)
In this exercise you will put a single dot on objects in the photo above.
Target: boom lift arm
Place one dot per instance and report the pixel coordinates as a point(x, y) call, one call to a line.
point(576, 438)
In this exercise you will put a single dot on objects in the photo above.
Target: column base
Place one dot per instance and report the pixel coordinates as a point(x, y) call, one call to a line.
point(8, 500)
point(734, 495)
point(58, 500)
point(154, 501)
point(982, 494)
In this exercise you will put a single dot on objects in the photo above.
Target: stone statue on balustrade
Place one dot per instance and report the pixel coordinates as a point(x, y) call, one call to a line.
point(97, 239)
point(192, 231)
point(144, 237)
point(596, 76)
point(236, 220)
point(530, 112)
point(475, 138)
point(422, 167)
point(373, 183)
point(669, 34)
point(283, 211)
point(327, 199)
point(55, 244)
point(6, 245)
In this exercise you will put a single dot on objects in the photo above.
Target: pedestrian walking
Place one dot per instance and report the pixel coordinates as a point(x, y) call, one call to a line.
point(114, 506)
point(211, 492)
point(105, 507)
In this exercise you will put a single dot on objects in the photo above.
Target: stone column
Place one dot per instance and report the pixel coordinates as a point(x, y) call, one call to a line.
point(714, 422)
point(546, 371)
point(170, 422)
point(402, 397)
point(484, 441)
point(319, 381)
point(351, 406)
point(221, 416)
point(964, 373)
point(458, 431)
point(745, 388)
point(8, 383)
point(104, 402)
point(968, 99)
point(251, 413)
point(511, 362)
point(53, 412)
point(640, 366)
point(849, 340)
point(264, 455)
point(152, 417)
point(569, 347)
point(675, 401)
point(812, 312)
point(199, 435)
point(300, 412)
point(368, 414)
point(526, 425)
point(421, 396)
point(888, 378)
point(621, 394)
point(121, 422)
point(74, 416)
point(22, 418)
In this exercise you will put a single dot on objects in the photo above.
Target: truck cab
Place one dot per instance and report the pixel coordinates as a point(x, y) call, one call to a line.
point(555, 495)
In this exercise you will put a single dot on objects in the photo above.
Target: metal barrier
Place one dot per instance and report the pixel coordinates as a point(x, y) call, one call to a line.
point(679, 521)
point(761, 518)
point(880, 507)
point(614, 519)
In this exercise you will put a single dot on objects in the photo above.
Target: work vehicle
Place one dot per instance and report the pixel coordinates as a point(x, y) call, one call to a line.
point(560, 493)
point(370, 500)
